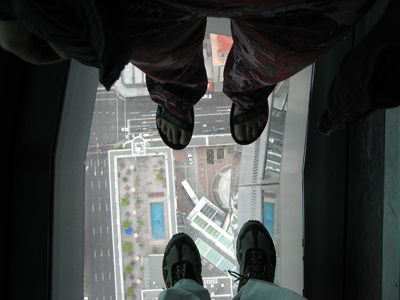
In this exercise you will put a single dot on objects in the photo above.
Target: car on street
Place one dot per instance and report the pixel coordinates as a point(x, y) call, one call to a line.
point(218, 129)
point(206, 131)
point(190, 159)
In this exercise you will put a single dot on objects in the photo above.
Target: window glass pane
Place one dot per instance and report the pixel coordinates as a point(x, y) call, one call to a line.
point(139, 192)
point(202, 246)
point(199, 221)
point(225, 241)
point(208, 211)
point(212, 231)
point(218, 218)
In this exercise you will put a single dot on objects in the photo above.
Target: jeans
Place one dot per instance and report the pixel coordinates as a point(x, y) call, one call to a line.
point(253, 290)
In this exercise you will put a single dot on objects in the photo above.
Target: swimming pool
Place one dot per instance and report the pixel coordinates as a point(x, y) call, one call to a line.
point(157, 220)
point(269, 214)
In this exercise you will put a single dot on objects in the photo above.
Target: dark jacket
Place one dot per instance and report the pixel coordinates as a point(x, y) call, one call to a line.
point(90, 31)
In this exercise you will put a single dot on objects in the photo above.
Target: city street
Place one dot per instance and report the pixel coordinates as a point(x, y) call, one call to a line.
point(112, 113)
point(108, 119)
point(209, 113)
point(99, 266)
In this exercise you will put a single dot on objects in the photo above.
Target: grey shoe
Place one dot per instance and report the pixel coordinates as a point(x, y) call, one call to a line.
point(255, 253)
point(181, 260)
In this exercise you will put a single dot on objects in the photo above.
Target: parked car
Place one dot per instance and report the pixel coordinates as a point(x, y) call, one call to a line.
point(190, 158)
point(218, 129)
point(206, 131)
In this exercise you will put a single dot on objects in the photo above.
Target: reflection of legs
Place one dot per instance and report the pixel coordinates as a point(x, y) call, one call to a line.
point(262, 55)
point(368, 77)
point(168, 48)
point(269, 50)
point(178, 96)
point(243, 87)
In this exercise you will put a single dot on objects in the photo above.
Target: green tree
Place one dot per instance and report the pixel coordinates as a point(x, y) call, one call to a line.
point(126, 223)
point(127, 246)
point(138, 200)
point(128, 269)
point(129, 291)
point(124, 201)
point(210, 156)
point(160, 176)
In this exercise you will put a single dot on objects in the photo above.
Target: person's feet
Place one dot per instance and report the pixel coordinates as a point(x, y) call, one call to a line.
point(249, 129)
point(247, 125)
point(175, 134)
point(255, 252)
point(181, 260)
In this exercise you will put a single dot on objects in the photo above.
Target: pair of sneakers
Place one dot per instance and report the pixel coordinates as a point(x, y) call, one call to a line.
point(255, 253)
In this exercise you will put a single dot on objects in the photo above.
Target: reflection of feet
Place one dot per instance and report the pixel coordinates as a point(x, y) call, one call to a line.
point(181, 260)
point(175, 130)
point(248, 125)
point(255, 253)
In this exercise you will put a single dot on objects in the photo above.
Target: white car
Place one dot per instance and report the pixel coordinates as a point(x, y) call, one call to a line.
point(190, 158)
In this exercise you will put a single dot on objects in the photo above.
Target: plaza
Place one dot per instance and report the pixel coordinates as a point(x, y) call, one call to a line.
point(147, 204)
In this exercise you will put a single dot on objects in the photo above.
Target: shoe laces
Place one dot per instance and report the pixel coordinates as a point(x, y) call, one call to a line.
point(182, 270)
point(255, 268)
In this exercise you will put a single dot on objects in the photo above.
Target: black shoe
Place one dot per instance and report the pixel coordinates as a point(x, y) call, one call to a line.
point(181, 260)
point(255, 253)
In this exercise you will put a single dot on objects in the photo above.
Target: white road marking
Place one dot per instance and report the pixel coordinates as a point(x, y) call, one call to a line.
point(105, 99)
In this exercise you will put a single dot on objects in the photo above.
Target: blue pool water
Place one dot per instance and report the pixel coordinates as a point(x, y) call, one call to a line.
point(157, 220)
point(269, 213)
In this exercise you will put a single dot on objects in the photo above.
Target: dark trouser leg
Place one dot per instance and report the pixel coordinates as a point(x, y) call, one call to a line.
point(168, 48)
point(262, 56)
point(271, 49)
point(368, 77)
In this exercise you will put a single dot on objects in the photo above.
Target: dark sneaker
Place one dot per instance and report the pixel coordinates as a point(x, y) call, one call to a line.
point(181, 260)
point(255, 254)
